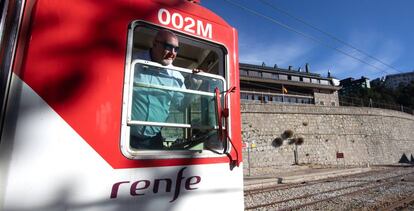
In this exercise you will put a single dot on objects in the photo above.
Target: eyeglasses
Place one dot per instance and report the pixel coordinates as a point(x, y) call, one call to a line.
point(168, 46)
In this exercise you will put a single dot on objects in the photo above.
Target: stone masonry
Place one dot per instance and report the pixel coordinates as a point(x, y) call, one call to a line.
point(361, 136)
point(328, 99)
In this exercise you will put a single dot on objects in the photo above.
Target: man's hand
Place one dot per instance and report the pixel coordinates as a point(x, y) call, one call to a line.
point(195, 83)
point(195, 70)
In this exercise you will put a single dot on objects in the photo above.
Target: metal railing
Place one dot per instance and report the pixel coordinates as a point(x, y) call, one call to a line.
point(360, 102)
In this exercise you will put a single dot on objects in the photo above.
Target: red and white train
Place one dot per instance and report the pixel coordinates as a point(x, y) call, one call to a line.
point(68, 73)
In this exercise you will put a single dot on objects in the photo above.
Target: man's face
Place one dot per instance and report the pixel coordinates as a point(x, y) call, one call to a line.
point(165, 49)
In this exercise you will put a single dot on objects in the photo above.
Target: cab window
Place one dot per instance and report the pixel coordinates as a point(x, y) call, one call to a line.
point(171, 108)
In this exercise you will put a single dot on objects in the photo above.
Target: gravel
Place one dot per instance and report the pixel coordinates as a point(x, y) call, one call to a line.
point(365, 192)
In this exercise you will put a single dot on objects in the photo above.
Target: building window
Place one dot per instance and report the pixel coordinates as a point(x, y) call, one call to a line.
point(295, 78)
point(277, 98)
point(283, 77)
point(266, 75)
point(254, 73)
point(306, 80)
point(324, 82)
point(314, 81)
point(265, 99)
point(290, 99)
point(304, 100)
point(244, 72)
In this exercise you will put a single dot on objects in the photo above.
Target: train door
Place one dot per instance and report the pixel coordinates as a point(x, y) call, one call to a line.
point(9, 23)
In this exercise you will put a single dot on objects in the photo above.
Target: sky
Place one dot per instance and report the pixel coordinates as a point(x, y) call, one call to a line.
point(370, 38)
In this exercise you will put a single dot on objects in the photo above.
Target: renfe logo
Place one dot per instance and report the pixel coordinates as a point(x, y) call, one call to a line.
point(189, 24)
point(140, 187)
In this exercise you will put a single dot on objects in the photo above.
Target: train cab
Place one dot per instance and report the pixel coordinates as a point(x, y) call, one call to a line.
point(82, 101)
point(190, 122)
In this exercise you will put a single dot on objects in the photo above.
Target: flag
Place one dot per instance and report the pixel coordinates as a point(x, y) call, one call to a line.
point(284, 90)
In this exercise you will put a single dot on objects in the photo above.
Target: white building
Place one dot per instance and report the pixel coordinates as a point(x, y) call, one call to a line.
point(393, 81)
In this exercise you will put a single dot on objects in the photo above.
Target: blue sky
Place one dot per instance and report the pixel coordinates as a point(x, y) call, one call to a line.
point(383, 29)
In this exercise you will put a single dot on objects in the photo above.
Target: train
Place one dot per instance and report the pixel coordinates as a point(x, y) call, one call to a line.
point(69, 74)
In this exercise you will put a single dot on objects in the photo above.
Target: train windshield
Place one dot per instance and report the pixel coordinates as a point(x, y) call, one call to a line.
point(173, 108)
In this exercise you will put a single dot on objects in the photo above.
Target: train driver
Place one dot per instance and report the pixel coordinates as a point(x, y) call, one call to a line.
point(154, 106)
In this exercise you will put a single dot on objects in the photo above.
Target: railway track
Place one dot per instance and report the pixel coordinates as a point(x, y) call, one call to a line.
point(286, 186)
point(400, 204)
point(333, 193)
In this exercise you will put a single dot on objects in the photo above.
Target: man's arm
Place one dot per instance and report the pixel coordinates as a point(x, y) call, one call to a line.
point(182, 101)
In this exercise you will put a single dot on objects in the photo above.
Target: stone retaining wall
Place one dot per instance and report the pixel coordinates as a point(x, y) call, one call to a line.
point(362, 135)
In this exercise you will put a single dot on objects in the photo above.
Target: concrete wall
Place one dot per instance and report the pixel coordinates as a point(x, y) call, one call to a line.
point(363, 135)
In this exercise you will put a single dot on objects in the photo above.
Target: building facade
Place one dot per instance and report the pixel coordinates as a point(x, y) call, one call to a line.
point(350, 85)
point(278, 85)
point(395, 80)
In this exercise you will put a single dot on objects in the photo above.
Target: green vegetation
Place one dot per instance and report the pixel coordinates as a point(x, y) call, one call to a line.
point(382, 97)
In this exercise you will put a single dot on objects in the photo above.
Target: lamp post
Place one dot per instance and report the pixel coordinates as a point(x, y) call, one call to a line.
point(248, 157)
point(295, 154)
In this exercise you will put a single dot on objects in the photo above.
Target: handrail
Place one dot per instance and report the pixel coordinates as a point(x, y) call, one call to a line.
point(168, 88)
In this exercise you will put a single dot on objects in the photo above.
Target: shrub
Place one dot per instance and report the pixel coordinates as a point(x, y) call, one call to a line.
point(300, 141)
point(277, 142)
point(287, 134)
